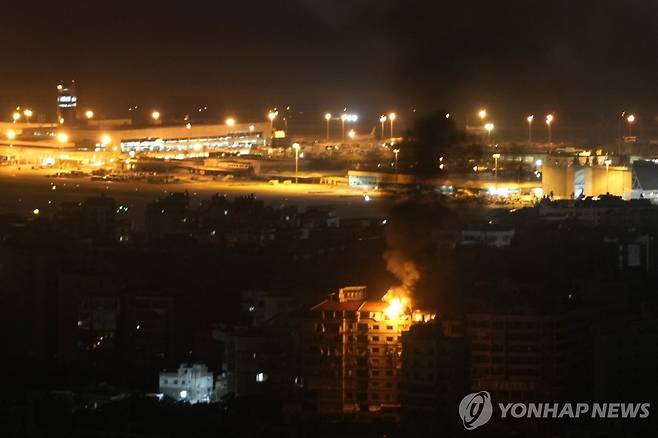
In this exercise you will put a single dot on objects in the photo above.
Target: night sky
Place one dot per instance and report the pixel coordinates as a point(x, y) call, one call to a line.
point(584, 59)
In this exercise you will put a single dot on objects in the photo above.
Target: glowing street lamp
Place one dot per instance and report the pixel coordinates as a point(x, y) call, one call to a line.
point(482, 114)
point(489, 127)
point(272, 115)
point(327, 117)
point(230, 122)
point(16, 116)
point(62, 137)
point(89, 114)
point(391, 117)
point(630, 119)
point(382, 120)
point(496, 156)
point(106, 140)
point(296, 147)
point(27, 113)
point(351, 134)
point(549, 122)
point(11, 134)
point(530, 119)
point(155, 115)
point(396, 152)
point(343, 117)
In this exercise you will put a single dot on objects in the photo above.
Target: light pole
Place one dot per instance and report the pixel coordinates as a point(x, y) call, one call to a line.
point(549, 121)
point(230, 122)
point(530, 118)
point(630, 119)
point(27, 113)
point(382, 120)
point(327, 117)
point(155, 115)
point(295, 146)
point(482, 114)
point(343, 117)
point(16, 116)
point(62, 138)
point(392, 117)
point(272, 115)
point(496, 156)
point(89, 114)
point(607, 163)
point(489, 127)
point(396, 152)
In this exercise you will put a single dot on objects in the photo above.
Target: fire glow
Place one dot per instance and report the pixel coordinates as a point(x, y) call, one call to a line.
point(398, 303)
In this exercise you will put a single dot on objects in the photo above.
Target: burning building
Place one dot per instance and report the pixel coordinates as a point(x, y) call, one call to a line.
point(352, 351)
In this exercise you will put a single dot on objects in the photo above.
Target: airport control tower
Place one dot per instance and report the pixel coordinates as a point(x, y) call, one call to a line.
point(67, 102)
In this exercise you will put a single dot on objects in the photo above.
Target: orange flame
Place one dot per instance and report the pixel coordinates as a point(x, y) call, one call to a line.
point(398, 302)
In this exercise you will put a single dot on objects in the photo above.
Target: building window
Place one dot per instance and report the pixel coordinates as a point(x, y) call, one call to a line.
point(389, 327)
point(375, 350)
point(389, 338)
point(375, 338)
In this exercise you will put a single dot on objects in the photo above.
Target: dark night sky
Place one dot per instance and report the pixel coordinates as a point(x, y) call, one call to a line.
point(582, 58)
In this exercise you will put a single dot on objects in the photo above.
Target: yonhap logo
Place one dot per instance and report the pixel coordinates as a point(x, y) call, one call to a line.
point(475, 409)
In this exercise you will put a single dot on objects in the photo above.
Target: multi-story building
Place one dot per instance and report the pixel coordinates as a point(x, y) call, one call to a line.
point(351, 353)
point(434, 371)
point(191, 383)
point(516, 356)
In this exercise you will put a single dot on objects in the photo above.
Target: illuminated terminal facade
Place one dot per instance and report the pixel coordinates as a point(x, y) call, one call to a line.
point(237, 139)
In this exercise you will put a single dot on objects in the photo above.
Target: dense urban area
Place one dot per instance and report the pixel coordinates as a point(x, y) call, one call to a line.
point(348, 261)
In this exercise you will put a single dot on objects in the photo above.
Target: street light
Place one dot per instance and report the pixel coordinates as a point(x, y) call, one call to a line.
point(530, 119)
point(62, 137)
point(343, 117)
point(482, 114)
point(496, 156)
point(630, 119)
point(89, 114)
point(155, 115)
point(351, 134)
point(272, 115)
point(27, 113)
point(11, 134)
point(327, 117)
point(230, 122)
point(489, 127)
point(382, 119)
point(16, 116)
point(295, 146)
point(392, 117)
point(396, 152)
point(607, 162)
point(106, 140)
point(549, 121)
